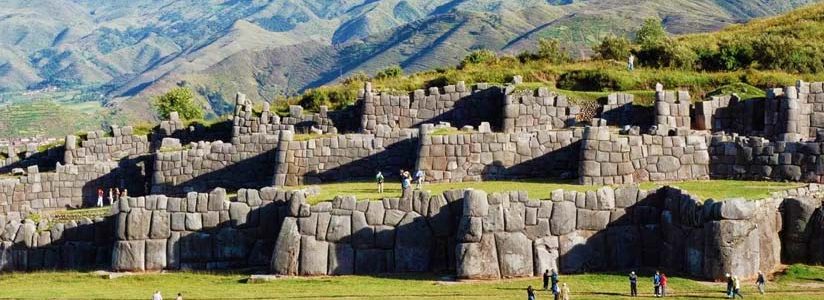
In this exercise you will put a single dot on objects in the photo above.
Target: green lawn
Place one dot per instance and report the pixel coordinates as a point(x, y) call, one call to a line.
point(74, 285)
point(716, 189)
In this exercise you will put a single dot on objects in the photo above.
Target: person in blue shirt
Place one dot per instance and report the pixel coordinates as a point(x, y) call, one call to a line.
point(419, 179)
point(656, 281)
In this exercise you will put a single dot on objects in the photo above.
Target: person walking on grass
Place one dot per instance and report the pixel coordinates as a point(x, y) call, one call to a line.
point(736, 289)
point(179, 296)
point(633, 284)
point(631, 62)
point(546, 280)
point(553, 280)
point(157, 296)
point(761, 282)
point(379, 178)
point(663, 285)
point(729, 285)
point(419, 179)
point(530, 293)
point(565, 295)
point(656, 283)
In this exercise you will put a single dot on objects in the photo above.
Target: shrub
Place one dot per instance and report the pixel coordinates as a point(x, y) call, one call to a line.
point(788, 54)
point(390, 72)
point(551, 50)
point(651, 33)
point(482, 56)
point(669, 54)
point(334, 97)
point(613, 47)
point(357, 77)
point(181, 100)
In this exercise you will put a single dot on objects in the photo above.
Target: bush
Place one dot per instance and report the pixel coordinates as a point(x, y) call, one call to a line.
point(651, 33)
point(390, 72)
point(613, 47)
point(669, 54)
point(357, 77)
point(181, 100)
point(788, 54)
point(334, 97)
point(595, 80)
point(551, 50)
point(482, 56)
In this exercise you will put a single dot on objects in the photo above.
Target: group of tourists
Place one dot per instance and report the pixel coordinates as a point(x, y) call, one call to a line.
point(406, 180)
point(560, 291)
point(115, 194)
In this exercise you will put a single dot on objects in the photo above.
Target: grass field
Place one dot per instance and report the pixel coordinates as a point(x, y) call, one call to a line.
point(799, 282)
point(715, 189)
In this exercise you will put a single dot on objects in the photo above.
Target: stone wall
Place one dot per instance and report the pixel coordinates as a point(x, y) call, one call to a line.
point(730, 114)
point(199, 231)
point(344, 157)
point(457, 104)
point(476, 156)
point(505, 235)
point(609, 158)
point(757, 158)
point(413, 234)
point(97, 147)
point(672, 109)
point(618, 109)
point(534, 111)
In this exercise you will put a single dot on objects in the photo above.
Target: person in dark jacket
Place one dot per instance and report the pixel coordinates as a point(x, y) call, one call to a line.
point(633, 284)
point(530, 293)
point(546, 280)
point(761, 282)
point(729, 285)
point(553, 278)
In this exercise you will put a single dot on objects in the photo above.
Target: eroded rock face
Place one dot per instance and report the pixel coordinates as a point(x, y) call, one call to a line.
point(795, 234)
point(731, 246)
point(478, 260)
point(287, 249)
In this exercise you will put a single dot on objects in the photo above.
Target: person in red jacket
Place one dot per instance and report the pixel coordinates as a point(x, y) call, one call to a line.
point(663, 285)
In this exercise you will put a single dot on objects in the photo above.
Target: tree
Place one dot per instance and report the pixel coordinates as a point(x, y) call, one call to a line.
point(651, 34)
point(550, 49)
point(613, 47)
point(390, 72)
point(181, 100)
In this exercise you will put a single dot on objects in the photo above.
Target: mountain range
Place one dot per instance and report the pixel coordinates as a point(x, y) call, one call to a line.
point(130, 50)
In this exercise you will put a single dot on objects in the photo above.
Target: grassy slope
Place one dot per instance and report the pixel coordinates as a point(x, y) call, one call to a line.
point(800, 282)
point(715, 189)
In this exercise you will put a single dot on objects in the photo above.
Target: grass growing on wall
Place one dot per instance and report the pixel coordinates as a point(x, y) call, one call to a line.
point(725, 189)
point(799, 282)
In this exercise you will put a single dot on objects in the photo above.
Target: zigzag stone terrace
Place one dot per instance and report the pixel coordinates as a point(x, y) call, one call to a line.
point(179, 214)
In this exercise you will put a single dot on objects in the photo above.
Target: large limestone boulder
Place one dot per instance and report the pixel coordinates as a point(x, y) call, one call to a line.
point(129, 256)
point(156, 254)
point(737, 209)
point(287, 248)
point(514, 254)
point(731, 246)
point(546, 254)
point(478, 260)
point(795, 235)
point(138, 224)
point(563, 218)
point(314, 256)
point(582, 251)
point(341, 259)
point(475, 203)
point(413, 244)
point(624, 249)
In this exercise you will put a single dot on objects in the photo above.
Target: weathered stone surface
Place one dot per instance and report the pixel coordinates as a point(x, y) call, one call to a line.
point(287, 248)
point(546, 254)
point(194, 222)
point(138, 224)
point(624, 244)
point(731, 246)
point(314, 256)
point(626, 196)
point(374, 213)
point(370, 261)
point(173, 251)
point(340, 229)
point(514, 217)
point(363, 236)
point(160, 225)
point(592, 219)
point(341, 259)
point(238, 213)
point(737, 209)
point(582, 251)
point(178, 221)
point(129, 256)
point(514, 254)
point(475, 203)
point(413, 244)
point(563, 218)
point(479, 260)
point(795, 235)
point(155, 254)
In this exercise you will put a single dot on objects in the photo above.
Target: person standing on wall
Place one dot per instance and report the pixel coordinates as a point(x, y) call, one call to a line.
point(761, 282)
point(99, 197)
point(379, 178)
point(633, 284)
point(419, 179)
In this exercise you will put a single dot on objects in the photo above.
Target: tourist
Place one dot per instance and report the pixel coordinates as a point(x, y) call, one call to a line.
point(111, 196)
point(656, 282)
point(553, 278)
point(99, 197)
point(729, 285)
point(125, 193)
point(663, 285)
point(546, 280)
point(565, 292)
point(157, 296)
point(631, 62)
point(419, 179)
point(530, 293)
point(179, 297)
point(761, 282)
point(633, 284)
point(379, 179)
point(116, 194)
point(736, 290)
